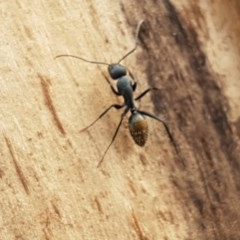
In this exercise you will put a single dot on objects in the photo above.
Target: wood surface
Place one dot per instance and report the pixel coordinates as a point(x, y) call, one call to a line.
point(50, 185)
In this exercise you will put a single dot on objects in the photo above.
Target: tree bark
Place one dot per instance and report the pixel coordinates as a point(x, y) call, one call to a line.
point(51, 187)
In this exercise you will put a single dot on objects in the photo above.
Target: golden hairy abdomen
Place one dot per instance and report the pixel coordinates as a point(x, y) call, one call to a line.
point(138, 128)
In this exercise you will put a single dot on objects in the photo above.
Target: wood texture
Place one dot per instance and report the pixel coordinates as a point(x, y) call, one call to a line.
point(50, 186)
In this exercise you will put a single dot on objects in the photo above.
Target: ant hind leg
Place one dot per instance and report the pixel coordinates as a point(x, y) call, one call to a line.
point(165, 125)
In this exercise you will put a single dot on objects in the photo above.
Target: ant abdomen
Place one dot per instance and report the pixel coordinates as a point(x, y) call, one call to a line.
point(138, 128)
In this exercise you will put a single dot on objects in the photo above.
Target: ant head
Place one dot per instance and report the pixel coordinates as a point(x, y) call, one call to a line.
point(116, 70)
point(138, 128)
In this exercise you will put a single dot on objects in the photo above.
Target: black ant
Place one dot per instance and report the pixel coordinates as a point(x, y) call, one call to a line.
point(138, 126)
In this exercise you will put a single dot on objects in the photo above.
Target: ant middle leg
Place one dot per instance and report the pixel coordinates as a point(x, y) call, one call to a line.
point(145, 92)
point(114, 136)
point(116, 106)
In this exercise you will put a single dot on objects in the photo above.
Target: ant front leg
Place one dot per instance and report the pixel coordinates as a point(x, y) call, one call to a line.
point(145, 92)
point(134, 83)
point(112, 88)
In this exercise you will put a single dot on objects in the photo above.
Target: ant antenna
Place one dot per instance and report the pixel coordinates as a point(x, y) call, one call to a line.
point(85, 60)
point(136, 41)
point(103, 63)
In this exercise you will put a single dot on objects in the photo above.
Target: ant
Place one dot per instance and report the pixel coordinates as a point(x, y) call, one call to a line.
point(126, 85)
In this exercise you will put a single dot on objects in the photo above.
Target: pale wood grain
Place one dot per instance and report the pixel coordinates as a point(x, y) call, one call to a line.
point(50, 186)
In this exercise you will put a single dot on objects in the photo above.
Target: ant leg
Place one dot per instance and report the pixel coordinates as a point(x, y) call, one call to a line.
point(114, 136)
point(117, 106)
point(113, 89)
point(136, 41)
point(145, 92)
point(134, 83)
point(164, 124)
